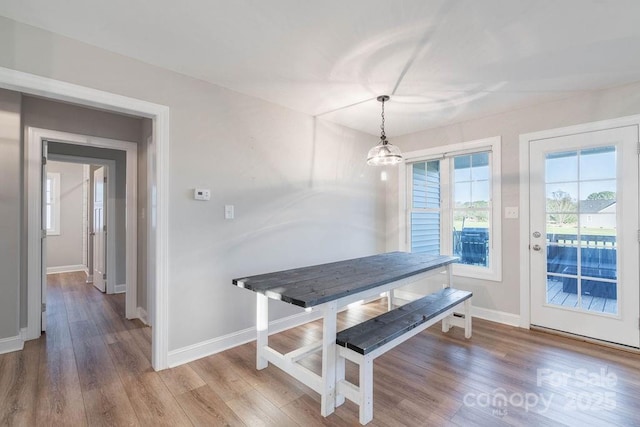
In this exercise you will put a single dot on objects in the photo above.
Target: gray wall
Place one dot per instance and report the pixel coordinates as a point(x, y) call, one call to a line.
point(302, 191)
point(120, 196)
point(10, 213)
point(600, 105)
point(65, 249)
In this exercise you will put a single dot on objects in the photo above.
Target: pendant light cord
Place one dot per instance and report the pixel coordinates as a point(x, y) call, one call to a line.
point(383, 137)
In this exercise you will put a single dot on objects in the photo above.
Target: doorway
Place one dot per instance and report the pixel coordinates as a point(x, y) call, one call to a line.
point(582, 233)
point(40, 142)
point(157, 189)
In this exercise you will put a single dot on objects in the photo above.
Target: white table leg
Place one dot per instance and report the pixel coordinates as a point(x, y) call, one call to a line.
point(262, 328)
point(390, 302)
point(329, 331)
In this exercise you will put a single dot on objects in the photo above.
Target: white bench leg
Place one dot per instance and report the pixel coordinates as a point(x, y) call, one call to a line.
point(467, 318)
point(390, 300)
point(446, 325)
point(366, 390)
point(340, 365)
point(262, 326)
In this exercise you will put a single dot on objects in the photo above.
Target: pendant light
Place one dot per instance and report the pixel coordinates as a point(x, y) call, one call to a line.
point(384, 153)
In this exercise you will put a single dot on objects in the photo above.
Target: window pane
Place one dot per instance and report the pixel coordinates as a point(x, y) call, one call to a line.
point(562, 198)
point(480, 166)
point(48, 217)
point(425, 232)
point(463, 195)
point(480, 194)
point(598, 163)
point(426, 185)
point(598, 195)
point(561, 167)
point(473, 245)
point(462, 168)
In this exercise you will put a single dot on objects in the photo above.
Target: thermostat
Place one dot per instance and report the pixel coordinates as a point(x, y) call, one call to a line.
point(202, 194)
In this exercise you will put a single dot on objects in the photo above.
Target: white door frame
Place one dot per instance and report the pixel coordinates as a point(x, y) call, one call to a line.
point(158, 187)
point(130, 303)
point(525, 139)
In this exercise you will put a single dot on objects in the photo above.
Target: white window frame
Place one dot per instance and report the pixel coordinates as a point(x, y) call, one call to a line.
point(494, 271)
point(54, 230)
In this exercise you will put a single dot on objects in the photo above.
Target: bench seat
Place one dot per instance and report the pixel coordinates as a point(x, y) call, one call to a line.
point(368, 336)
point(364, 342)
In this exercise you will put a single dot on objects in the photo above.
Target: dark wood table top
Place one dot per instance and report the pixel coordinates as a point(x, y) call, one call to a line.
point(317, 284)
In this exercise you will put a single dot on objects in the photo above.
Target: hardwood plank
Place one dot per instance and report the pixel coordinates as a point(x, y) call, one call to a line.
point(152, 402)
point(205, 408)
point(60, 400)
point(19, 404)
point(306, 412)
point(217, 372)
point(129, 360)
point(256, 410)
point(109, 405)
point(181, 379)
point(95, 367)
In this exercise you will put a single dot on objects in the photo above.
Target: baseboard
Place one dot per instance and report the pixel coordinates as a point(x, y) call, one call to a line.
point(143, 316)
point(479, 312)
point(11, 344)
point(503, 317)
point(67, 269)
point(216, 345)
point(120, 289)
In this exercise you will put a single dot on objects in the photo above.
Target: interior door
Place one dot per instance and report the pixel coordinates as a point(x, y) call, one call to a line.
point(99, 228)
point(584, 234)
point(47, 193)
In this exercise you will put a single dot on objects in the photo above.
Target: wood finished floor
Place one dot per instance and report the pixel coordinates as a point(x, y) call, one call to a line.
point(93, 368)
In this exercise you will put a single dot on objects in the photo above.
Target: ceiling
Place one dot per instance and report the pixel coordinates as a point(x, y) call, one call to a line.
point(442, 61)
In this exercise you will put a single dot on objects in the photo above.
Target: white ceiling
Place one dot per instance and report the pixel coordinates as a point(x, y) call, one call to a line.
point(441, 61)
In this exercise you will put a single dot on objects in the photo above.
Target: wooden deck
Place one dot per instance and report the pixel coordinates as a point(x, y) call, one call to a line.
point(93, 368)
point(556, 296)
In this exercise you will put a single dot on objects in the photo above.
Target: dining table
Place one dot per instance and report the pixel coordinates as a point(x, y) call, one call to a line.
point(325, 290)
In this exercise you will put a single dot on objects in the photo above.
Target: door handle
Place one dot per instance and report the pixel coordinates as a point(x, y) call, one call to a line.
point(536, 247)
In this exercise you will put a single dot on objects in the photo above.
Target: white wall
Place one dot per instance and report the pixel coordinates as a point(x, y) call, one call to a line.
point(301, 189)
point(505, 296)
point(66, 249)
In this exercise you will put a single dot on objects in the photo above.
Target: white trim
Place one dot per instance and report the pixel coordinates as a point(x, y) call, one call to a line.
point(143, 316)
point(502, 317)
point(66, 269)
point(493, 144)
point(85, 215)
point(158, 179)
point(216, 345)
point(120, 289)
point(11, 344)
point(525, 140)
point(112, 179)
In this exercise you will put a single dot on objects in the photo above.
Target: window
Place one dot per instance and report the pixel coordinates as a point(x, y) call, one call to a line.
point(453, 205)
point(52, 203)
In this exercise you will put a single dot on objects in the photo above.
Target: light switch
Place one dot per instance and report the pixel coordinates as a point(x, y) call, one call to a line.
point(228, 212)
point(511, 212)
point(202, 194)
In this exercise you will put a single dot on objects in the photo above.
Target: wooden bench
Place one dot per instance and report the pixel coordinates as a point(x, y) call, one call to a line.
point(364, 342)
